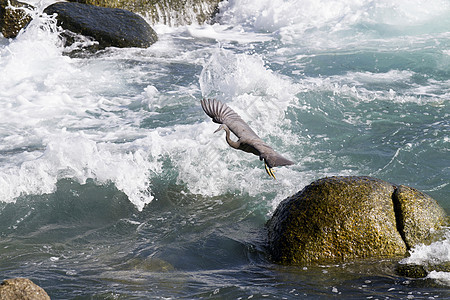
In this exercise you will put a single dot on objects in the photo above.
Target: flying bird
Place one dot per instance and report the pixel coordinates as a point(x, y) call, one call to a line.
point(248, 140)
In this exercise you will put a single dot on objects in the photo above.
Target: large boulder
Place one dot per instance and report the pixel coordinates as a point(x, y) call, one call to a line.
point(13, 17)
point(168, 12)
point(108, 26)
point(342, 218)
point(21, 289)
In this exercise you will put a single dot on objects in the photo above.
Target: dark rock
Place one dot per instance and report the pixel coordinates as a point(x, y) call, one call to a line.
point(412, 271)
point(108, 26)
point(12, 20)
point(342, 218)
point(168, 12)
point(21, 289)
point(421, 271)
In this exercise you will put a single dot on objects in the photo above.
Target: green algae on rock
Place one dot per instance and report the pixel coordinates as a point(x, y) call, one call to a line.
point(342, 218)
point(420, 271)
point(13, 17)
point(20, 289)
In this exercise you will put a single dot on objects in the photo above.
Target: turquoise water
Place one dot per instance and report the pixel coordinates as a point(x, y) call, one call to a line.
point(114, 186)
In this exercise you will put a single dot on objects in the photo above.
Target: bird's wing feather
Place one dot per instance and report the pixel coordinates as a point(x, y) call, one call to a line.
point(222, 114)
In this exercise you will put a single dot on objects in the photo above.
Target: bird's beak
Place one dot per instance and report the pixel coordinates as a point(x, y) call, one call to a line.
point(218, 129)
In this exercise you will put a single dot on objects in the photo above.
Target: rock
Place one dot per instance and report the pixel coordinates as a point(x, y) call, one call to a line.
point(419, 216)
point(109, 26)
point(343, 218)
point(412, 271)
point(12, 20)
point(21, 289)
point(173, 13)
point(421, 271)
point(148, 264)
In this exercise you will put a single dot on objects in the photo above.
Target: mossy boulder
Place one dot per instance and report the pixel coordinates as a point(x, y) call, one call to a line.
point(21, 289)
point(108, 26)
point(343, 218)
point(13, 17)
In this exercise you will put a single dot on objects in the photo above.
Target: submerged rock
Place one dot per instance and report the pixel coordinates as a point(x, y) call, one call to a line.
point(173, 13)
point(108, 26)
point(13, 18)
point(411, 270)
point(21, 289)
point(421, 271)
point(342, 218)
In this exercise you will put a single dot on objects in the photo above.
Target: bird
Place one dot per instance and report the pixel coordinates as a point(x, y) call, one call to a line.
point(248, 140)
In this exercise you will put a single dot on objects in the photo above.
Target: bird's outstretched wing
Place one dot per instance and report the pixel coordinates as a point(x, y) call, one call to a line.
point(222, 114)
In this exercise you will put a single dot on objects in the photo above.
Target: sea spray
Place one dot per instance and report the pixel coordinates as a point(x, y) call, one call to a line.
point(41, 111)
point(434, 257)
point(436, 253)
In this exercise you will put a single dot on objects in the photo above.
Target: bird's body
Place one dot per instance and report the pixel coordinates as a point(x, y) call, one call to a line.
point(248, 140)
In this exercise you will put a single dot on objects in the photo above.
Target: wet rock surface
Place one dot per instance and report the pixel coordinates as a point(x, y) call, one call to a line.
point(108, 26)
point(418, 215)
point(13, 17)
point(344, 218)
point(21, 289)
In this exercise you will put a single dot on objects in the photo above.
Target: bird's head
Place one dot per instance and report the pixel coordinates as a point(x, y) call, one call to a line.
point(221, 127)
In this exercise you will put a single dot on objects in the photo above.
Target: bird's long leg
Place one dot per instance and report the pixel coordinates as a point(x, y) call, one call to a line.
point(269, 170)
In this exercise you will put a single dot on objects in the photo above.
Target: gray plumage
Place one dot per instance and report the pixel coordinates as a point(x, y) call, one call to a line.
point(248, 140)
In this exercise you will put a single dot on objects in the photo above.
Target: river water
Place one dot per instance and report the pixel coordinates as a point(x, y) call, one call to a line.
point(114, 186)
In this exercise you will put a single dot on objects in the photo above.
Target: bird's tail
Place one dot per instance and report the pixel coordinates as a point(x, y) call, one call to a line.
point(277, 161)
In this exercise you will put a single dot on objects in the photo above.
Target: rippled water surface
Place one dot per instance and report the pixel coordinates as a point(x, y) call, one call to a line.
point(114, 186)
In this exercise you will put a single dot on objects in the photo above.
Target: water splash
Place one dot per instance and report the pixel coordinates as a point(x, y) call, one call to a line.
point(47, 135)
point(435, 254)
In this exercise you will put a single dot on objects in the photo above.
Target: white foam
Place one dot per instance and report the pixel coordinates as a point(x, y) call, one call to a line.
point(42, 93)
point(256, 93)
point(357, 86)
point(225, 33)
point(333, 24)
point(416, 12)
point(73, 155)
point(266, 16)
point(230, 75)
point(442, 277)
point(435, 253)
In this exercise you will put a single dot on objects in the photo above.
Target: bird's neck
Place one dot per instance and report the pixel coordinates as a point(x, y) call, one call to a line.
point(230, 142)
